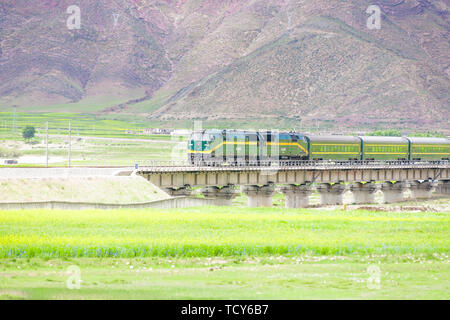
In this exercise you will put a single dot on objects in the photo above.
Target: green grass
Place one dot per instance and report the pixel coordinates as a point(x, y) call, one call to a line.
point(210, 232)
point(115, 125)
point(274, 277)
point(82, 124)
point(116, 190)
point(87, 148)
point(93, 151)
point(224, 253)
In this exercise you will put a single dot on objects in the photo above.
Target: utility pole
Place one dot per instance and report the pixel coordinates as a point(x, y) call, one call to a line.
point(46, 149)
point(70, 140)
point(14, 119)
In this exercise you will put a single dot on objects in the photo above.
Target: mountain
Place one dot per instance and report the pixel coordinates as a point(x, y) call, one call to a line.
point(174, 60)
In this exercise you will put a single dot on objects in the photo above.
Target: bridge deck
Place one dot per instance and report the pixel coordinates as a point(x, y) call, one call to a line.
point(175, 176)
point(295, 165)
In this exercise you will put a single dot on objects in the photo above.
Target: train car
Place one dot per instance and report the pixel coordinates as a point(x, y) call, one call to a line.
point(221, 147)
point(201, 145)
point(431, 149)
point(288, 146)
point(237, 146)
point(225, 146)
point(338, 148)
point(385, 148)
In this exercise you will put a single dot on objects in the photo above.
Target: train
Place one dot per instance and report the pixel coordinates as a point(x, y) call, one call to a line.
point(235, 147)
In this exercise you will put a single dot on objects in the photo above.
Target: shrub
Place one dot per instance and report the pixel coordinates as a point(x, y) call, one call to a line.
point(28, 132)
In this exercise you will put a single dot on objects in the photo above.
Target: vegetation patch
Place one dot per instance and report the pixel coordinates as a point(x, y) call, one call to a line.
point(209, 232)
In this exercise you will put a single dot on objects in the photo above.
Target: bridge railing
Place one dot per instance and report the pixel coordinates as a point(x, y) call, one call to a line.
point(294, 163)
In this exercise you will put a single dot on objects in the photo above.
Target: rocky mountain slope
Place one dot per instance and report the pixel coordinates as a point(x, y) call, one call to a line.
point(231, 59)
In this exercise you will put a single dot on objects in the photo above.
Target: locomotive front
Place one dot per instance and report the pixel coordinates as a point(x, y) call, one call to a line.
point(200, 146)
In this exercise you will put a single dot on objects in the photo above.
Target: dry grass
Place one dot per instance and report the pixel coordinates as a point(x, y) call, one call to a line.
point(99, 190)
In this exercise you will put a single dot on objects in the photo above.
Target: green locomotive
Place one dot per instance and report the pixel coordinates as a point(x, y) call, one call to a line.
point(245, 146)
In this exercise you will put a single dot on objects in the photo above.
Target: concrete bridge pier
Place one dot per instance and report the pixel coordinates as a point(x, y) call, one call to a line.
point(259, 196)
point(221, 196)
point(331, 194)
point(185, 191)
point(443, 187)
point(422, 190)
point(393, 192)
point(297, 196)
point(363, 192)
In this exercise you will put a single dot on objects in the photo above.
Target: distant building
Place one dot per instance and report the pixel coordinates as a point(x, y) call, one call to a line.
point(157, 131)
point(181, 132)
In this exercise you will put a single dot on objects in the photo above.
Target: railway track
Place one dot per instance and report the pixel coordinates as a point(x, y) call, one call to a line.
point(286, 165)
point(171, 166)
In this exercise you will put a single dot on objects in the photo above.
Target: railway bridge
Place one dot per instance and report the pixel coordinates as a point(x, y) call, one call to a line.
point(298, 179)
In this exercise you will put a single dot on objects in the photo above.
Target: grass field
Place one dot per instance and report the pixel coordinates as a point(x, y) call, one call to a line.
point(219, 231)
point(102, 139)
point(95, 140)
point(94, 150)
point(115, 125)
point(272, 277)
point(117, 190)
point(82, 124)
point(224, 253)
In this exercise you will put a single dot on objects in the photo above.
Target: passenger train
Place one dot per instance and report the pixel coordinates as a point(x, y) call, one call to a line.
point(233, 147)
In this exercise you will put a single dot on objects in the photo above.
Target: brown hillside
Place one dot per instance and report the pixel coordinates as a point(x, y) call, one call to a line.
point(216, 59)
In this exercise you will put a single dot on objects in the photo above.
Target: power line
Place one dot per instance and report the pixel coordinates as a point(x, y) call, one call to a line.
point(46, 149)
point(70, 140)
point(14, 120)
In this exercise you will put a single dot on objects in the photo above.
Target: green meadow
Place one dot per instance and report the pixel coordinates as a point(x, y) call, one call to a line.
point(215, 231)
point(82, 124)
point(224, 253)
point(269, 277)
point(94, 140)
